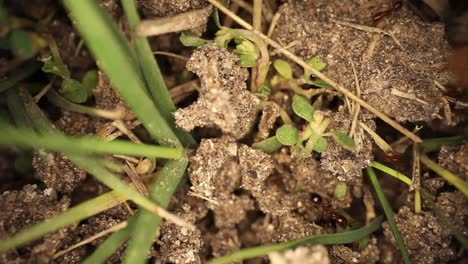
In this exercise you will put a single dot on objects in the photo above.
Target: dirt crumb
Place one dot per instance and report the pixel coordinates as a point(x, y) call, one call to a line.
point(284, 228)
point(57, 171)
point(344, 164)
point(231, 210)
point(223, 101)
point(180, 245)
point(255, 166)
point(310, 178)
point(163, 8)
point(214, 170)
point(426, 239)
point(226, 241)
point(454, 205)
point(270, 113)
point(455, 159)
point(302, 255)
point(340, 254)
point(24, 208)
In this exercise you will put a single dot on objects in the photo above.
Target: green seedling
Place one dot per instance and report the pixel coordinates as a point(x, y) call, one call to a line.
point(73, 90)
point(311, 138)
point(191, 40)
point(247, 53)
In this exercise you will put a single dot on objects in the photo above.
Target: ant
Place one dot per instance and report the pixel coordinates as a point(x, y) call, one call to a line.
point(328, 211)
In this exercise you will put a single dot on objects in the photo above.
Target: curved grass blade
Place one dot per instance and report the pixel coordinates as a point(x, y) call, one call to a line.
point(152, 74)
point(325, 239)
point(73, 215)
point(389, 214)
point(392, 172)
point(98, 30)
point(24, 72)
point(148, 223)
point(453, 179)
point(82, 145)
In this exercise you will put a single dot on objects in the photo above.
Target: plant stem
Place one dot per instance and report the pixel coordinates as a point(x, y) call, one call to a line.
point(257, 14)
point(324, 239)
point(392, 172)
point(316, 135)
point(446, 174)
point(389, 214)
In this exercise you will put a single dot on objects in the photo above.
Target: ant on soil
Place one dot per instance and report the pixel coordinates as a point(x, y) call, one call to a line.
point(328, 211)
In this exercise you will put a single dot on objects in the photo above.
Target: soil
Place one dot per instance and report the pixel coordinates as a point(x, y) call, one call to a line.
point(238, 196)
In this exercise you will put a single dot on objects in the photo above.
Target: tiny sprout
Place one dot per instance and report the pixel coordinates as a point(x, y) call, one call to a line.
point(247, 53)
point(268, 145)
point(340, 190)
point(264, 91)
point(283, 68)
point(344, 140)
point(317, 63)
point(321, 145)
point(302, 107)
point(287, 135)
point(191, 40)
point(74, 91)
point(54, 63)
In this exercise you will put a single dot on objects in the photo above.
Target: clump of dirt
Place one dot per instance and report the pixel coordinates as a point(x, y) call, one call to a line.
point(225, 241)
point(347, 165)
point(180, 245)
point(389, 69)
point(57, 171)
point(224, 101)
point(231, 210)
point(455, 159)
point(24, 208)
point(427, 240)
point(165, 8)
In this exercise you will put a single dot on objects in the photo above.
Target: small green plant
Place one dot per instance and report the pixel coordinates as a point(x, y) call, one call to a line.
point(312, 137)
point(73, 90)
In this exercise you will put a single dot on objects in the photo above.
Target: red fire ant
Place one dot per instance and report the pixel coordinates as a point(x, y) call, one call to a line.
point(328, 211)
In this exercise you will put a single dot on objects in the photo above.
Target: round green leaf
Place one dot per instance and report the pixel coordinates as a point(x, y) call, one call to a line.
point(283, 68)
point(344, 140)
point(74, 91)
point(302, 107)
point(317, 63)
point(90, 80)
point(341, 189)
point(287, 135)
point(191, 40)
point(321, 145)
point(268, 145)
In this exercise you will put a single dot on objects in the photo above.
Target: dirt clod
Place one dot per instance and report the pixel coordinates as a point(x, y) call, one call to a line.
point(301, 255)
point(223, 101)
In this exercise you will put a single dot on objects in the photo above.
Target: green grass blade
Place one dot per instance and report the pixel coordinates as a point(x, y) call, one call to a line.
point(98, 30)
point(325, 239)
point(147, 223)
point(453, 179)
point(389, 214)
point(24, 72)
point(392, 172)
point(73, 215)
point(433, 144)
point(152, 74)
point(15, 106)
point(111, 245)
point(82, 145)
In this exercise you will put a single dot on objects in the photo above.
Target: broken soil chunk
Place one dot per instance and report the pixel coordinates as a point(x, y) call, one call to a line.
point(224, 101)
point(231, 210)
point(164, 8)
point(226, 241)
point(57, 171)
point(22, 209)
point(214, 170)
point(180, 245)
point(255, 166)
point(426, 239)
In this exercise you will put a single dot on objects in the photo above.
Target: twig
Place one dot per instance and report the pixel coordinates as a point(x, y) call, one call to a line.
point(408, 96)
point(318, 74)
point(170, 54)
point(257, 15)
point(368, 29)
point(112, 229)
point(120, 125)
point(416, 185)
point(273, 23)
point(381, 143)
point(357, 107)
point(184, 21)
point(194, 194)
point(44, 90)
point(248, 7)
point(131, 172)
